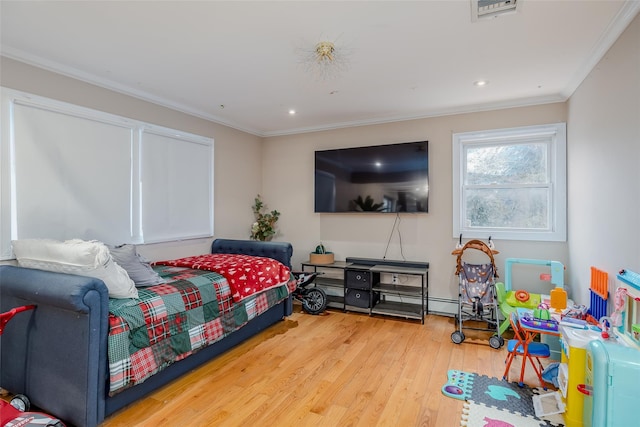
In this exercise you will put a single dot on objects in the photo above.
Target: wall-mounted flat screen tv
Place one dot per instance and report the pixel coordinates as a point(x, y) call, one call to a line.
point(382, 178)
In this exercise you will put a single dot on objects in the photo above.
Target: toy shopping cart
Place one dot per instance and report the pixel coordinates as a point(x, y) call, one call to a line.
point(14, 413)
point(477, 299)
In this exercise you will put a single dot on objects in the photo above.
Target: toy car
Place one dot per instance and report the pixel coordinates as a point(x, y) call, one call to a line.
point(14, 414)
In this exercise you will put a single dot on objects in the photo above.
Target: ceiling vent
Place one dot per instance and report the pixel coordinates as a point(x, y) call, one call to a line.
point(482, 9)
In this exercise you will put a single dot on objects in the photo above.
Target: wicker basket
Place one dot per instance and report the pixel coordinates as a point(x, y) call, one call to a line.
point(315, 258)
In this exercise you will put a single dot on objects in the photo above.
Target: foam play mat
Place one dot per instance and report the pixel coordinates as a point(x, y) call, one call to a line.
point(492, 402)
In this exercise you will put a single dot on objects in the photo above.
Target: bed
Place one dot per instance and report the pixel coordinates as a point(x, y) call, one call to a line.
point(82, 355)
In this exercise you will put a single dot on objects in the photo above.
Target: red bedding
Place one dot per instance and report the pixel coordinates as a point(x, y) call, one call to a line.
point(246, 274)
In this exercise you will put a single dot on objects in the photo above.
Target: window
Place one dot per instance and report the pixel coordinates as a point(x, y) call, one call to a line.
point(72, 172)
point(510, 183)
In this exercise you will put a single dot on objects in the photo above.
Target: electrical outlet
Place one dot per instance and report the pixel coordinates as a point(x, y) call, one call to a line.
point(394, 279)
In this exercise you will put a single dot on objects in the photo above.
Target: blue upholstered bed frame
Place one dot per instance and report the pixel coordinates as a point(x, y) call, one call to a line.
point(57, 354)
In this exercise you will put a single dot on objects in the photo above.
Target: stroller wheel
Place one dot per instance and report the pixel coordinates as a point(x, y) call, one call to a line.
point(314, 300)
point(496, 342)
point(457, 337)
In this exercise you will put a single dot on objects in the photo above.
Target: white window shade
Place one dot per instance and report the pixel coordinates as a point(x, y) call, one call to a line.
point(71, 172)
point(177, 187)
point(71, 176)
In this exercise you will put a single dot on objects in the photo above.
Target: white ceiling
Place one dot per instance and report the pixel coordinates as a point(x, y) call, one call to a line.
point(405, 59)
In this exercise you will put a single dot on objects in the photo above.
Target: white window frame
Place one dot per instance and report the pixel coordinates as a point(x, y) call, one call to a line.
point(555, 134)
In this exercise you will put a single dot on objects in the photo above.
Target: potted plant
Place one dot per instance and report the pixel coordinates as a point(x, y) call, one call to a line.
point(264, 227)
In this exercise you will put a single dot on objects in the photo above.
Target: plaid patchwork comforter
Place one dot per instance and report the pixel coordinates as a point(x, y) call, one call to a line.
point(246, 274)
point(168, 322)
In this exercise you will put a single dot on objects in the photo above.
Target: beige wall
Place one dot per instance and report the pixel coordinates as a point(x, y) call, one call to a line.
point(603, 120)
point(288, 186)
point(238, 155)
point(604, 159)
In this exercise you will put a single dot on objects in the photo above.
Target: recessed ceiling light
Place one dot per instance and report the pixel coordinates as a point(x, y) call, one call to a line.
point(481, 83)
point(292, 112)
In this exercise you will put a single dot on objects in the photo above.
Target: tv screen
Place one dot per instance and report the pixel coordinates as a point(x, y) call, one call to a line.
point(383, 178)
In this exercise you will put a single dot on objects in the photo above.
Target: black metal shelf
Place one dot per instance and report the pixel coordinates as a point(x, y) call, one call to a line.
point(400, 290)
point(370, 282)
point(399, 309)
point(329, 282)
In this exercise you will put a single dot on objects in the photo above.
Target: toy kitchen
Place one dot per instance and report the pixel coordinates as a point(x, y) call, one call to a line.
point(600, 374)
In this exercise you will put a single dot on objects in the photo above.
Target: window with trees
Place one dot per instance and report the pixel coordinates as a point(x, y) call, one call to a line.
point(510, 183)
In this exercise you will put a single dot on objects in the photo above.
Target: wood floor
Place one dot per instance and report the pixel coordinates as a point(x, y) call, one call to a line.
point(336, 369)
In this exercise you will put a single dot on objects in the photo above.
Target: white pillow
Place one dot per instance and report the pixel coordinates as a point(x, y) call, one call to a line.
point(84, 258)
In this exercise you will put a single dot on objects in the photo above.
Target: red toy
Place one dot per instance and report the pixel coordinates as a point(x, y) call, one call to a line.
point(13, 414)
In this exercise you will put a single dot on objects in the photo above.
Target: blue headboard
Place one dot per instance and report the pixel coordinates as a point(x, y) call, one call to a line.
point(280, 251)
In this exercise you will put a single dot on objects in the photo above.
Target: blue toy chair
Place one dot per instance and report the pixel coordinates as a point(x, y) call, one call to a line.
point(515, 347)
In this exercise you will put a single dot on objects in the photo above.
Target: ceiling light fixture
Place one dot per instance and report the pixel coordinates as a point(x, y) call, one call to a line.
point(324, 51)
point(325, 60)
point(480, 83)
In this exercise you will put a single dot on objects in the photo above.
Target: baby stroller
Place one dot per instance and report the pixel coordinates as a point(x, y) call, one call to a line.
point(314, 300)
point(477, 299)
